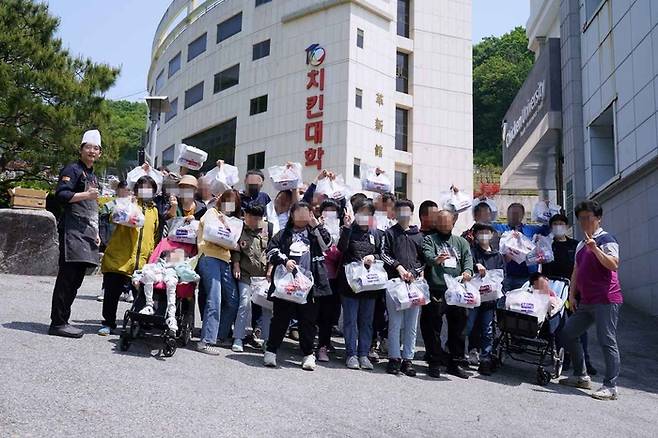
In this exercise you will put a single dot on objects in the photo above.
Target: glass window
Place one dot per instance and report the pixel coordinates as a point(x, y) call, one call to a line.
point(258, 105)
point(402, 73)
point(357, 168)
point(401, 129)
point(218, 141)
point(401, 185)
point(196, 47)
point(359, 38)
point(591, 6)
point(168, 155)
point(603, 151)
point(227, 78)
point(358, 100)
point(194, 95)
point(230, 27)
point(403, 17)
point(256, 161)
point(159, 82)
point(174, 65)
point(261, 50)
point(262, 2)
point(174, 110)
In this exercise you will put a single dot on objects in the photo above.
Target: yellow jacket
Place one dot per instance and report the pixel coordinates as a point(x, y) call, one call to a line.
point(209, 249)
point(129, 248)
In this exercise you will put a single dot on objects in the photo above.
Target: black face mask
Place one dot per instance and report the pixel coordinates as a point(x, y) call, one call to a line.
point(253, 189)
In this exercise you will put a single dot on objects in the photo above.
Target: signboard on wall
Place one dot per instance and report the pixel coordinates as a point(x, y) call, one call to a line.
point(315, 82)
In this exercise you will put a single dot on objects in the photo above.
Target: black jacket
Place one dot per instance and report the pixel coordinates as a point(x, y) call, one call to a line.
point(404, 248)
point(490, 260)
point(354, 244)
point(279, 248)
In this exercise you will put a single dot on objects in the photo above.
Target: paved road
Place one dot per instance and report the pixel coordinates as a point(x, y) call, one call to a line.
point(59, 387)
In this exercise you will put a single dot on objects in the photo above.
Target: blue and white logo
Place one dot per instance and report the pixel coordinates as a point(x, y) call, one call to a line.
point(315, 55)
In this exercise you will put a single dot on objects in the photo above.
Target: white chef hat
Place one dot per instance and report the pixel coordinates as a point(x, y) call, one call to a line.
point(93, 136)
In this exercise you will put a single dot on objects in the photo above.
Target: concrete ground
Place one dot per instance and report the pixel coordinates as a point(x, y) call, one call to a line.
point(61, 387)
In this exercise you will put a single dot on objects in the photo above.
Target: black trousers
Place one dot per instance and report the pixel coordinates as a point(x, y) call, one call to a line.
point(69, 280)
point(328, 308)
point(113, 285)
point(282, 313)
point(379, 322)
point(431, 321)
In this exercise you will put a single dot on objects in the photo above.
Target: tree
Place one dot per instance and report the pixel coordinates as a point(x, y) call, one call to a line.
point(124, 131)
point(47, 97)
point(500, 66)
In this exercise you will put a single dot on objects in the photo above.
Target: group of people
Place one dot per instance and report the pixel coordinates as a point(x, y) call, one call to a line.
point(292, 232)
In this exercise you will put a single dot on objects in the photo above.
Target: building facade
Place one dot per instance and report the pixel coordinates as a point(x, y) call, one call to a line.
point(332, 84)
point(605, 144)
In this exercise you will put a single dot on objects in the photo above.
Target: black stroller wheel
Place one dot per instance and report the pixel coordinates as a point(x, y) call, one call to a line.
point(124, 342)
point(134, 328)
point(169, 347)
point(558, 363)
point(543, 376)
point(185, 334)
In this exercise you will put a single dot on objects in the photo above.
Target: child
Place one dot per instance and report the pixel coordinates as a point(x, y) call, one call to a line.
point(250, 260)
point(403, 255)
point(127, 251)
point(172, 268)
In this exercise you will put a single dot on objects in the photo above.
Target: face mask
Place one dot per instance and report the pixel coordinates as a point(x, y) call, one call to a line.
point(484, 237)
point(330, 215)
point(559, 230)
point(145, 194)
point(362, 219)
point(187, 194)
point(253, 189)
point(228, 207)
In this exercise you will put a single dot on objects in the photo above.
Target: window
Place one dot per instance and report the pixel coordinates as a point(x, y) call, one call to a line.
point(194, 95)
point(261, 50)
point(358, 99)
point(400, 185)
point(401, 129)
point(174, 110)
point(357, 168)
point(402, 73)
point(168, 155)
point(159, 82)
point(230, 27)
point(196, 47)
point(591, 7)
point(174, 65)
point(256, 161)
point(227, 78)
point(403, 17)
point(359, 38)
point(602, 148)
point(258, 105)
point(262, 2)
point(218, 141)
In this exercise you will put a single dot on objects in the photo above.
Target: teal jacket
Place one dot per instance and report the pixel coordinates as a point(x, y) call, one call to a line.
point(435, 244)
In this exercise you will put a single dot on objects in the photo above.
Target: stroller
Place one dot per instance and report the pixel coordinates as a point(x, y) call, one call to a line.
point(521, 336)
point(136, 324)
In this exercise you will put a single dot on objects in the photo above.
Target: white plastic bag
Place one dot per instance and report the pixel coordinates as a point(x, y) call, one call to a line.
point(183, 232)
point(127, 213)
point(406, 295)
point(362, 279)
point(525, 301)
point(215, 231)
point(543, 211)
point(543, 251)
point(138, 172)
point(490, 286)
point(334, 189)
point(259, 288)
point(373, 182)
point(190, 157)
point(286, 177)
point(292, 286)
point(461, 293)
point(516, 245)
point(455, 201)
point(222, 178)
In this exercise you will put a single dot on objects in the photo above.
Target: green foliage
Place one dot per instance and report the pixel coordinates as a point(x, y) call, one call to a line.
point(124, 131)
point(500, 66)
point(47, 97)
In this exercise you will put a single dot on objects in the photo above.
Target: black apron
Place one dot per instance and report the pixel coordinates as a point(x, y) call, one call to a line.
point(79, 229)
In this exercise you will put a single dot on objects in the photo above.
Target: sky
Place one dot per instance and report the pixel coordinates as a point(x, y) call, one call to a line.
point(120, 32)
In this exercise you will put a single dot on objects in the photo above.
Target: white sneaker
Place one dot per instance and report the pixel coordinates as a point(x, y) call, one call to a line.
point(123, 296)
point(129, 298)
point(207, 349)
point(269, 359)
point(605, 393)
point(365, 363)
point(309, 363)
point(582, 382)
point(172, 324)
point(237, 346)
point(148, 310)
point(352, 363)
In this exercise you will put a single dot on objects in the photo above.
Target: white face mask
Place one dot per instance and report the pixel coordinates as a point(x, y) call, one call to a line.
point(362, 219)
point(144, 193)
point(228, 207)
point(559, 230)
point(484, 237)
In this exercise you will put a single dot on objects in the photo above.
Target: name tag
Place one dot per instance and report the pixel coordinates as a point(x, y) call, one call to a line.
point(450, 263)
point(372, 239)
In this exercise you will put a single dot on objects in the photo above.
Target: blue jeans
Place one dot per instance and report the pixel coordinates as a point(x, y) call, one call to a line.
point(222, 299)
point(480, 322)
point(244, 315)
point(358, 314)
point(405, 320)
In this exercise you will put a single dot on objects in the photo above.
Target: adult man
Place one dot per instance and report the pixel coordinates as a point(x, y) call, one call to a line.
point(252, 195)
point(596, 283)
point(427, 215)
point(482, 214)
point(78, 232)
point(444, 253)
point(518, 273)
